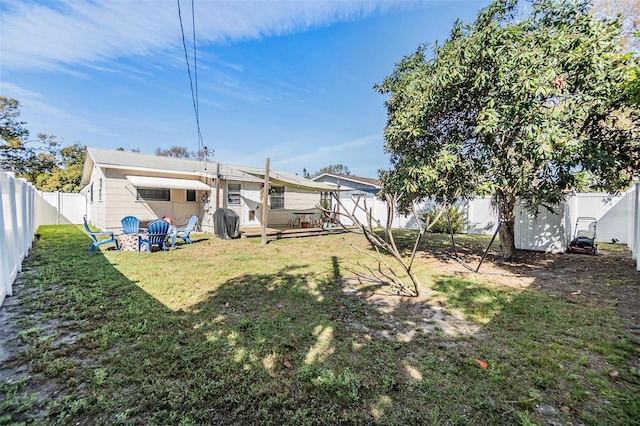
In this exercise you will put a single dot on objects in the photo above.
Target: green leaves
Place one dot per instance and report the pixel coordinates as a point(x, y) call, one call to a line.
point(531, 107)
point(40, 160)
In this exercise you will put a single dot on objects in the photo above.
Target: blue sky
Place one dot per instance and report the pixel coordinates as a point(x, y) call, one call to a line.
point(288, 80)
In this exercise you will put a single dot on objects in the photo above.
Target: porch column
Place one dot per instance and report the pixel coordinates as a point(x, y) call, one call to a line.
point(218, 186)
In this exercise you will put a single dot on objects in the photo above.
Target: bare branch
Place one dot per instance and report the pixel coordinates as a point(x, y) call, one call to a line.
point(379, 243)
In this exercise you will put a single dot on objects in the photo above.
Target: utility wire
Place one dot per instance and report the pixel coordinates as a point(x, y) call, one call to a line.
point(194, 92)
point(195, 70)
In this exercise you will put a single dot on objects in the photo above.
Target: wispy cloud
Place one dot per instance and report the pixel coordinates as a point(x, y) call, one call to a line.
point(51, 116)
point(327, 152)
point(66, 33)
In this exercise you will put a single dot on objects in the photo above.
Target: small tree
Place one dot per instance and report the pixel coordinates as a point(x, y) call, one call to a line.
point(381, 240)
point(519, 108)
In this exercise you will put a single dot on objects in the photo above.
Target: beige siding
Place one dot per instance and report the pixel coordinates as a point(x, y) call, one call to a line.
point(120, 196)
point(97, 207)
point(295, 200)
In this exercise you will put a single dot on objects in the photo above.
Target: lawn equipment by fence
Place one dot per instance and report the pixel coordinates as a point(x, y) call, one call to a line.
point(584, 238)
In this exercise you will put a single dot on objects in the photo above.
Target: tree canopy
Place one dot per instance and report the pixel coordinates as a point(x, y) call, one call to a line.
point(522, 108)
point(41, 160)
point(336, 169)
point(175, 152)
point(66, 176)
point(183, 152)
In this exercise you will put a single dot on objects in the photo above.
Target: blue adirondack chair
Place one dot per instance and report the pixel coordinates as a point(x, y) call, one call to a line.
point(158, 230)
point(100, 238)
point(131, 225)
point(183, 233)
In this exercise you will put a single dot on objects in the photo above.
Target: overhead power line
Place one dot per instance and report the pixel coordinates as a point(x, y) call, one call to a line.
point(193, 82)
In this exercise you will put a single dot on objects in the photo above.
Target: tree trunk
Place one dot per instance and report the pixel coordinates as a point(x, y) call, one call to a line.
point(507, 203)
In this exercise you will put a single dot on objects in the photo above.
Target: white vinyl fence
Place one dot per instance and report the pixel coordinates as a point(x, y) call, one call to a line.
point(617, 218)
point(60, 208)
point(17, 204)
point(635, 226)
point(22, 210)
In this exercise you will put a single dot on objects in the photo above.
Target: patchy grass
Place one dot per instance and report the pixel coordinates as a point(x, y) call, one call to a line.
point(232, 332)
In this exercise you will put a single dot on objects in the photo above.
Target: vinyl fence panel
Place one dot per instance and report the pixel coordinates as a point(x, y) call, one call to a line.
point(545, 231)
point(634, 228)
point(481, 217)
point(611, 213)
point(16, 229)
point(60, 208)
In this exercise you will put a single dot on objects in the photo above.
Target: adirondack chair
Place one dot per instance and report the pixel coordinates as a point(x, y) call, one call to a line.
point(183, 233)
point(100, 238)
point(131, 225)
point(157, 230)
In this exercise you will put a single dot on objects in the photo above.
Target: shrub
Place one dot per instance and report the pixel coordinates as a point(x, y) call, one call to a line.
point(441, 227)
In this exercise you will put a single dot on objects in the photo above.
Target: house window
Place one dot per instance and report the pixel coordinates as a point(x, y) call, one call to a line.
point(191, 195)
point(91, 193)
point(325, 200)
point(233, 194)
point(100, 189)
point(153, 194)
point(276, 197)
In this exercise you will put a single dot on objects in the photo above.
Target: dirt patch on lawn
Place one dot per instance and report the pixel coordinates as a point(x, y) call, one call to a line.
point(608, 279)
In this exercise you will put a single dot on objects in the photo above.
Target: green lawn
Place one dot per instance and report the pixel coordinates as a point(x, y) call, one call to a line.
point(232, 332)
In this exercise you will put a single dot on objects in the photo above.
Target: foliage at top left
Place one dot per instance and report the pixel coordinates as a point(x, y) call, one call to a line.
point(41, 161)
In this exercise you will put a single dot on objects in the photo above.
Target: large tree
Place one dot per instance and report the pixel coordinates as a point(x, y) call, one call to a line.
point(28, 158)
point(67, 175)
point(41, 160)
point(519, 107)
point(629, 13)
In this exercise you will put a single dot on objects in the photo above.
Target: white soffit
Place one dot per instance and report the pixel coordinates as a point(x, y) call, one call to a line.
point(167, 183)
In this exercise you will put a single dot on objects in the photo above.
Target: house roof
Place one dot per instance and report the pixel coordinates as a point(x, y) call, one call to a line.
point(154, 163)
point(289, 179)
point(375, 183)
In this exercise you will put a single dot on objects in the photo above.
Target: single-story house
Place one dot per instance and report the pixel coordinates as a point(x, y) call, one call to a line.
point(120, 183)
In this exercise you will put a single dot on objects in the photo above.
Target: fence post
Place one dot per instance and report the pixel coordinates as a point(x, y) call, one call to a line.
point(635, 243)
point(5, 275)
point(23, 220)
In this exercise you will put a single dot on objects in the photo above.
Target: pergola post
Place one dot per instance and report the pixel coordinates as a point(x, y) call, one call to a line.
point(265, 202)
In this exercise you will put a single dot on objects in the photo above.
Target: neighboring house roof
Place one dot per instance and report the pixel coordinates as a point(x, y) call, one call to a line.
point(154, 163)
point(374, 183)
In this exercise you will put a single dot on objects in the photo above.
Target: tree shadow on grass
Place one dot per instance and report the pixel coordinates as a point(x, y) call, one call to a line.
point(261, 348)
point(283, 348)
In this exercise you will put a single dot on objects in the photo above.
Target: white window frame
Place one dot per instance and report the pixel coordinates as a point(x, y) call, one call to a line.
point(235, 193)
point(277, 193)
